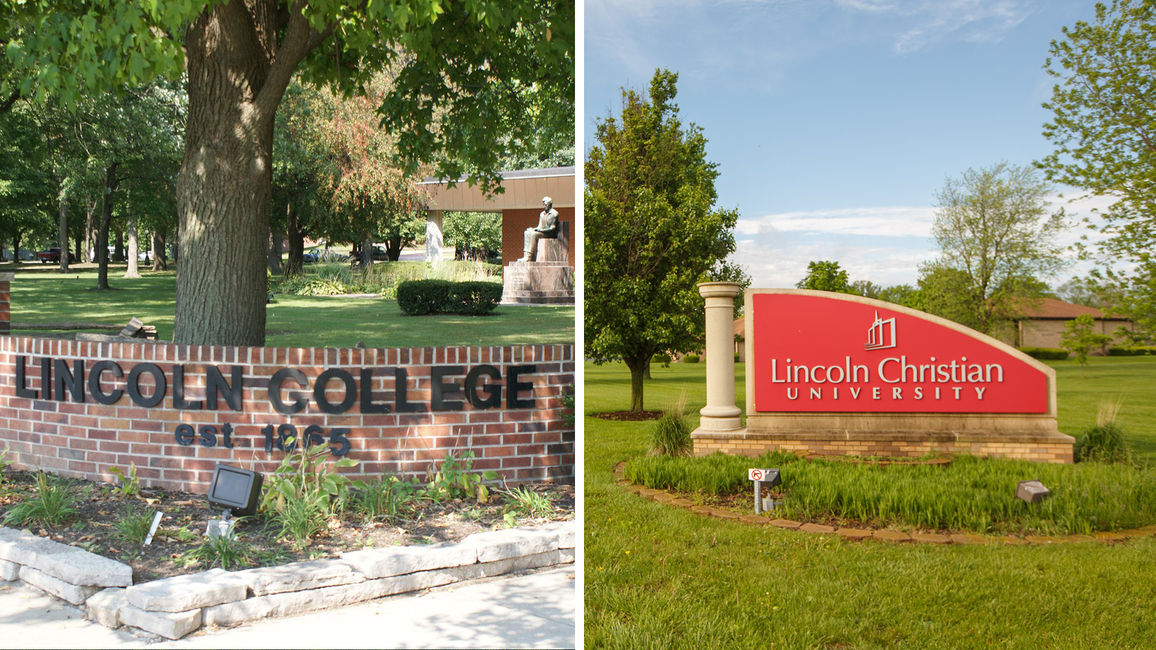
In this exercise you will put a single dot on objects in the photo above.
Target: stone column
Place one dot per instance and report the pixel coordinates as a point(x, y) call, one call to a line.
point(720, 412)
point(433, 236)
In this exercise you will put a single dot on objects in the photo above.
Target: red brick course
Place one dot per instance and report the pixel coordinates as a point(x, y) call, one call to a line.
point(87, 439)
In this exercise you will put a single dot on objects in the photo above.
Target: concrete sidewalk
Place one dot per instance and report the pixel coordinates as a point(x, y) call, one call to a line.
point(535, 610)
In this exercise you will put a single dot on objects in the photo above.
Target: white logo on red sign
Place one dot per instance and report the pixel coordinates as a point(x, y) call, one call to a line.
point(881, 334)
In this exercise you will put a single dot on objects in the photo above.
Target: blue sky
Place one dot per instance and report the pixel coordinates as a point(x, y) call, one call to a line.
point(834, 122)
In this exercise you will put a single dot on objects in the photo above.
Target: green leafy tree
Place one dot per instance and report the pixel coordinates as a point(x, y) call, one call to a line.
point(476, 235)
point(826, 276)
point(1080, 337)
point(652, 231)
point(475, 79)
point(996, 239)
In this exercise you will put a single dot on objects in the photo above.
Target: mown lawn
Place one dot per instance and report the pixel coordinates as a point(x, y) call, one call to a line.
point(659, 576)
point(40, 295)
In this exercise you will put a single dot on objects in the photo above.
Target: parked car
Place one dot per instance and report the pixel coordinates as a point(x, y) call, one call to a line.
point(379, 254)
point(309, 257)
point(52, 255)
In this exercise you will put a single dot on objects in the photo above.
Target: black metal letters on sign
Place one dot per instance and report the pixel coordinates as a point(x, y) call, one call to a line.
point(289, 390)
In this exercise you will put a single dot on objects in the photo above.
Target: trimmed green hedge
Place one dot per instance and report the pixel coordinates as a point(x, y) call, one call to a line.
point(421, 297)
point(1045, 354)
point(690, 358)
point(1132, 351)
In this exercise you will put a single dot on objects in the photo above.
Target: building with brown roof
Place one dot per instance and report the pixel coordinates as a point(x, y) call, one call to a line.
point(1043, 323)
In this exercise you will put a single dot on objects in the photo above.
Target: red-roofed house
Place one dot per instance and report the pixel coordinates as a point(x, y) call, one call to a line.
point(1044, 322)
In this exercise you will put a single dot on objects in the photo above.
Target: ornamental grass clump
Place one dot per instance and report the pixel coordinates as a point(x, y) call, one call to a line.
point(671, 433)
point(52, 505)
point(1104, 442)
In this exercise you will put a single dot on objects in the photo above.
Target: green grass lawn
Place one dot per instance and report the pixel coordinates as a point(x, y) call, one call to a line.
point(659, 576)
point(41, 295)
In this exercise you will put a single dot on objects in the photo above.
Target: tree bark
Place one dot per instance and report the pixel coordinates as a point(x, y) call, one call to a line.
point(637, 367)
point(110, 184)
point(274, 252)
point(16, 237)
point(133, 270)
point(89, 233)
point(158, 251)
point(62, 227)
point(237, 75)
point(366, 260)
point(393, 246)
point(118, 247)
point(295, 264)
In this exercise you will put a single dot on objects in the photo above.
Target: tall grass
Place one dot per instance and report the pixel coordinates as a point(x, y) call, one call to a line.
point(670, 435)
point(382, 278)
point(1104, 442)
point(972, 494)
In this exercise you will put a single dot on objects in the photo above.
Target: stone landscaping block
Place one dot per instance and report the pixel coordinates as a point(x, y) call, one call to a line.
point(754, 519)
point(853, 533)
point(75, 594)
point(399, 560)
point(1013, 540)
point(300, 602)
point(513, 542)
point(171, 625)
point(510, 565)
point(817, 528)
point(702, 510)
point(1080, 538)
point(965, 538)
point(1134, 532)
point(649, 492)
point(1106, 536)
point(9, 570)
point(183, 593)
point(566, 532)
point(299, 576)
point(930, 538)
point(785, 523)
point(892, 536)
point(1042, 539)
point(104, 606)
point(566, 556)
point(74, 565)
point(685, 503)
point(723, 514)
point(664, 497)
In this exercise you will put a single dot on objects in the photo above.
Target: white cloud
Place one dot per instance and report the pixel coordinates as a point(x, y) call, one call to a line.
point(923, 22)
point(899, 221)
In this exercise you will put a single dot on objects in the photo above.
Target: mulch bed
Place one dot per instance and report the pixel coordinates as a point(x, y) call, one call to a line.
point(629, 416)
point(101, 508)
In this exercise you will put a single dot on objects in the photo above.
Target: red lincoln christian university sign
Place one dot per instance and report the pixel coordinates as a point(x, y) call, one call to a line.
point(816, 353)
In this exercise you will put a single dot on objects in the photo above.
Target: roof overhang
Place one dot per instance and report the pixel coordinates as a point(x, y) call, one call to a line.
point(523, 189)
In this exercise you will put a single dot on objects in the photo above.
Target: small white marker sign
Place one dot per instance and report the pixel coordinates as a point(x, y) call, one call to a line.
point(757, 474)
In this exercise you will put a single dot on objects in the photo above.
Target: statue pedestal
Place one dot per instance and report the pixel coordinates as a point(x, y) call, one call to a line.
point(538, 283)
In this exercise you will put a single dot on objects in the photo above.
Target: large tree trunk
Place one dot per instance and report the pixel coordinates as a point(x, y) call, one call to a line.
point(366, 251)
point(158, 252)
point(16, 237)
point(118, 247)
point(110, 183)
point(237, 75)
point(133, 270)
point(295, 264)
point(393, 247)
point(62, 228)
point(89, 233)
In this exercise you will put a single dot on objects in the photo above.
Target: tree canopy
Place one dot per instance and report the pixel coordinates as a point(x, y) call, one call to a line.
point(997, 239)
point(828, 276)
point(652, 232)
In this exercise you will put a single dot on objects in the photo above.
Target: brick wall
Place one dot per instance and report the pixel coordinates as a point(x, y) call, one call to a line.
point(5, 305)
point(1037, 451)
point(80, 437)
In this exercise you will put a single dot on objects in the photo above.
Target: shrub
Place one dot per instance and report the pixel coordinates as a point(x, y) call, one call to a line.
point(421, 297)
point(528, 503)
point(690, 358)
point(671, 433)
point(660, 358)
point(134, 527)
point(384, 499)
point(1045, 354)
point(1104, 442)
point(51, 506)
point(1132, 351)
point(455, 479)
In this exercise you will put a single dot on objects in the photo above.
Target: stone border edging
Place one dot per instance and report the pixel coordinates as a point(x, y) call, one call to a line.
point(884, 534)
point(174, 607)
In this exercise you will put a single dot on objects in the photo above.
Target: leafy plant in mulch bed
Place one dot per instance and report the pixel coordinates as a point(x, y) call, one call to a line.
point(386, 511)
point(972, 494)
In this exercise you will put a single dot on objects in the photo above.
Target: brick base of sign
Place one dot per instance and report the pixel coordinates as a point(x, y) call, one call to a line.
point(175, 607)
point(396, 411)
point(741, 442)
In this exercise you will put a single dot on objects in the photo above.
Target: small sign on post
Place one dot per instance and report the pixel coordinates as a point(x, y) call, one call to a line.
point(760, 476)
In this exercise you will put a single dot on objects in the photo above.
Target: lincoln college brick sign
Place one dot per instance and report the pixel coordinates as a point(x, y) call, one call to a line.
point(81, 408)
point(838, 374)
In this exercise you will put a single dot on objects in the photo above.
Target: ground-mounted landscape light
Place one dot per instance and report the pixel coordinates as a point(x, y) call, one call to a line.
point(236, 492)
point(771, 478)
point(1032, 491)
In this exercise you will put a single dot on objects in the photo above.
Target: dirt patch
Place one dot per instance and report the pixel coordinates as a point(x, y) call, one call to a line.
point(629, 416)
point(103, 511)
